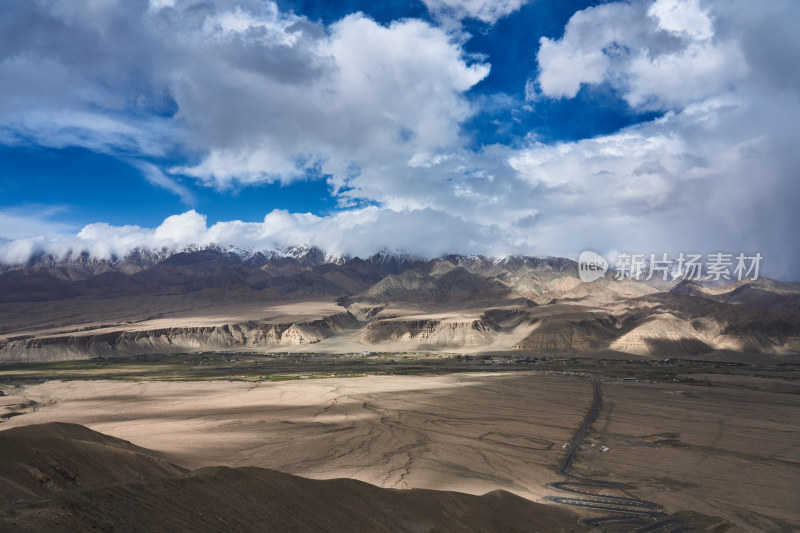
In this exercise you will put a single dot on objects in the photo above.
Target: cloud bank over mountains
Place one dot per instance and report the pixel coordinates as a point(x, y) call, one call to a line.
point(248, 94)
point(358, 232)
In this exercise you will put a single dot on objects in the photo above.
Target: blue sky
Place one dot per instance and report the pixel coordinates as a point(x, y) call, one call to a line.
point(87, 185)
point(477, 126)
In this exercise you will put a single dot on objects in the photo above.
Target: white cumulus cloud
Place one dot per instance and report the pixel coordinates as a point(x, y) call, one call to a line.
point(489, 11)
point(245, 92)
point(658, 55)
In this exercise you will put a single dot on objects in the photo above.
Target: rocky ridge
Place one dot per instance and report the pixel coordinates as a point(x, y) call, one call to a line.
point(79, 307)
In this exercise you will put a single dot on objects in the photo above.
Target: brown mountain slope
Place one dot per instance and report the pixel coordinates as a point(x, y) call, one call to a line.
point(49, 458)
point(132, 496)
point(764, 293)
point(570, 334)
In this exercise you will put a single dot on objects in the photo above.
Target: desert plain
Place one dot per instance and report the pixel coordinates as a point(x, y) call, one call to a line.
point(723, 454)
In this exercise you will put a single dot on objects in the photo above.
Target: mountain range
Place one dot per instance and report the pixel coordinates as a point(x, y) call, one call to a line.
point(302, 299)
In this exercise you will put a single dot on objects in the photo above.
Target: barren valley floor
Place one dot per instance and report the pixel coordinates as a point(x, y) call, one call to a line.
point(725, 450)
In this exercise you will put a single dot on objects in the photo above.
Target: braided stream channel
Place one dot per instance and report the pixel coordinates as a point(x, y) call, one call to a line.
point(641, 515)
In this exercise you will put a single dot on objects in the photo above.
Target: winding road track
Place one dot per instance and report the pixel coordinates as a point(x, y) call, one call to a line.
point(644, 516)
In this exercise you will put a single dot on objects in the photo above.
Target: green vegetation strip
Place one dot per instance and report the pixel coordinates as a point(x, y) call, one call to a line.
point(259, 367)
